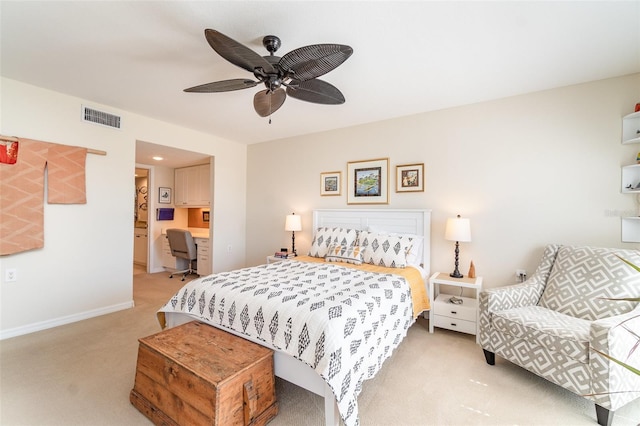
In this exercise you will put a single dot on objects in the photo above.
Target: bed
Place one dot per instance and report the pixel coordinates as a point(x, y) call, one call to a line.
point(331, 322)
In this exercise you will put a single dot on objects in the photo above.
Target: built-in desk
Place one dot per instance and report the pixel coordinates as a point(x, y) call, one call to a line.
point(203, 245)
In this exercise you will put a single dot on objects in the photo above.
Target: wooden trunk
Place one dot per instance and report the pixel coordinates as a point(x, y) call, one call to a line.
point(195, 374)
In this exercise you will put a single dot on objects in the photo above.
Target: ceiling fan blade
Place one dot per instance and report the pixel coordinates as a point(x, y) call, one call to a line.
point(266, 102)
point(223, 86)
point(316, 91)
point(313, 61)
point(236, 53)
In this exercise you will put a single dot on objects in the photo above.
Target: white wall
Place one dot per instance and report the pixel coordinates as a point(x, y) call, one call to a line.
point(528, 170)
point(85, 268)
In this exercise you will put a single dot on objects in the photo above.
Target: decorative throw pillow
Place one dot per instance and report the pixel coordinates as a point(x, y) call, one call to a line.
point(340, 253)
point(415, 253)
point(322, 239)
point(325, 236)
point(385, 250)
point(346, 236)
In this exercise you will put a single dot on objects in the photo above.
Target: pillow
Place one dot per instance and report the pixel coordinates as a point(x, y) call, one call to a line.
point(325, 236)
point(385, 250)
point(341, 253)
point(415, 254)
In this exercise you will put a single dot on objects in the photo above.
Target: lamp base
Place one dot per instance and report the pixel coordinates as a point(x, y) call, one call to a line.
point(456, 273)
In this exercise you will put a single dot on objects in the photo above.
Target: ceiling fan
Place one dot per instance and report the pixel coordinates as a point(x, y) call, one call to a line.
point(298, 71)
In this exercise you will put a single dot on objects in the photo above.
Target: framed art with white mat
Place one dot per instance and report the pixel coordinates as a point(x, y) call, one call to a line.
point(368, 181)
point(330, 183)
point(410, 177)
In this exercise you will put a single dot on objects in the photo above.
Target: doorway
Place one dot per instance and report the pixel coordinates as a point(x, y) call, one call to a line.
point(160, 161)
point(141, 220)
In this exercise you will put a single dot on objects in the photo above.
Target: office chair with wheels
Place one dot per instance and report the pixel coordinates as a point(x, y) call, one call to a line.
point(183, 248)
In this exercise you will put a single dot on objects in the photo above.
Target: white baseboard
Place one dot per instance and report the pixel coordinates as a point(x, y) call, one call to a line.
point(44, 325)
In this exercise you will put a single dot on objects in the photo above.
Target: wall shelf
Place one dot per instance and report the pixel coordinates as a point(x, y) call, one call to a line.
point(631, 128)
point(631, 179)
point(631, 229)
point(630, 225)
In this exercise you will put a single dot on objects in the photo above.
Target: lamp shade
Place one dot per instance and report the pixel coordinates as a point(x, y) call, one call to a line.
point(293, 223)
point(458, 229)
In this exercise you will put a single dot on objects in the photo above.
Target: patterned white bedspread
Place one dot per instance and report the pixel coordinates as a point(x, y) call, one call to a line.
point(342, 322)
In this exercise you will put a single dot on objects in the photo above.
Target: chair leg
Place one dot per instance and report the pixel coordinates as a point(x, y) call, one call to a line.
point(490, 357)
point(604, 415)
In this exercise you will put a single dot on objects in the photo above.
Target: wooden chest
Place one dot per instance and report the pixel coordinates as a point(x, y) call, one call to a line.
point(195, 374)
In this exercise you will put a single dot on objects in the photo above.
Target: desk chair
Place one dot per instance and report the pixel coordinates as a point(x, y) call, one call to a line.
point(183, 247)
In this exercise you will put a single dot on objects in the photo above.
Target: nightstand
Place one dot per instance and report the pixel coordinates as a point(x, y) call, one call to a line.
point(273, 259)
point(458, 317)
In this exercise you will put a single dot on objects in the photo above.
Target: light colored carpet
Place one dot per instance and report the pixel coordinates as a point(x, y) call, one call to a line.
point(81, 374)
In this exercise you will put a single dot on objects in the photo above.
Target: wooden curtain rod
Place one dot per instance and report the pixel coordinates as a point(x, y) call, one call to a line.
point(89, 150)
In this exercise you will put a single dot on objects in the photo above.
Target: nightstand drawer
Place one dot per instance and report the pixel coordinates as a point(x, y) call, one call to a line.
point(455, 324)
point(466, 311)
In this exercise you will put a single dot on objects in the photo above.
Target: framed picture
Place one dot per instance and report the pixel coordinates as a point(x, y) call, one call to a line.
point(330, 183)
point(410, 178)
point(368, 181)
point(164, 195)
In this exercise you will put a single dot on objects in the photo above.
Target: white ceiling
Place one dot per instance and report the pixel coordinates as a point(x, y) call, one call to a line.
point(409, 57)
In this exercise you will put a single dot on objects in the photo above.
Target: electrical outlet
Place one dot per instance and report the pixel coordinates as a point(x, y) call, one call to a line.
point(11, 275)
point(521, 274)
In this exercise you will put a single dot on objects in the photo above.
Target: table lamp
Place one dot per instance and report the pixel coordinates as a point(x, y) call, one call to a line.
point(293, 223)
point(458, 229)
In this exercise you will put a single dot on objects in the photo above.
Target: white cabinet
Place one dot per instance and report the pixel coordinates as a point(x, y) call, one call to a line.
point(204, 256)
point(140, 246)
point(460, 316)
point(168, 261)
point(193, 186)
point(630, 226)
point(203, 247)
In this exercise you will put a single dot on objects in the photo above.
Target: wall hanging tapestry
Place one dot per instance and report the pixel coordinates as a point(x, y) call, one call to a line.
point(22, 189)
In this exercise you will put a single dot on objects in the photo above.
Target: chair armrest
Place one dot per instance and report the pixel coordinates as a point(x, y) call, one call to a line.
point(527, 293)
point(618, 337)
point(502, 298)
point(512, 296)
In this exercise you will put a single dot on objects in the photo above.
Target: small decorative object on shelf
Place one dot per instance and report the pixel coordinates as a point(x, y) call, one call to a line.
point(637, 107)
point(472, 271)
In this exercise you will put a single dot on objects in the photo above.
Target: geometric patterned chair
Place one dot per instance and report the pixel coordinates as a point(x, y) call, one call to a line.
point(558, 322)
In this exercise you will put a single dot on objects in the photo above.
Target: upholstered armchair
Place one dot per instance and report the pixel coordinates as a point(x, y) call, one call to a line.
point(558, 323)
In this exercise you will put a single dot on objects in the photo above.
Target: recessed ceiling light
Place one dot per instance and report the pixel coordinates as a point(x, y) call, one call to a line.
point(157, 158)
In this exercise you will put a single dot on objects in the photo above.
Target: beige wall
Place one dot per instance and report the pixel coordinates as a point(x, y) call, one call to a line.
point(527, 170)
point(85, 268)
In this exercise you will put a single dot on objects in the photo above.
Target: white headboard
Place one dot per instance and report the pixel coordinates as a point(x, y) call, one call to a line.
point(405, 221)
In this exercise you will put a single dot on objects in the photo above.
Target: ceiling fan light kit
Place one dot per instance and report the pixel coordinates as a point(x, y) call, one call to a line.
point(297, 71)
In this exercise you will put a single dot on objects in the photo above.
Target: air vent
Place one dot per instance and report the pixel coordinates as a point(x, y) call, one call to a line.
point(99, 117)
